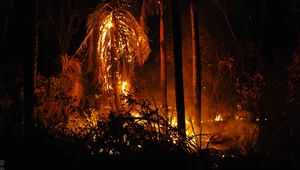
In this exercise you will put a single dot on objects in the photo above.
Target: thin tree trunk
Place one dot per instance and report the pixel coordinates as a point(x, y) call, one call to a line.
point(179, 93)
point(143, 15)
point(36, 45)
point(196, 64)
point(163, 75)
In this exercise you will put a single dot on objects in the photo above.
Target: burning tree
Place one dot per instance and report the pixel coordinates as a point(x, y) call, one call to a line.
point(115, 43)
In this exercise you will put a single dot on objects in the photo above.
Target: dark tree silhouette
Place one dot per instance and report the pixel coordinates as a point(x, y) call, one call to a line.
point(30, 76)
point(179, 93)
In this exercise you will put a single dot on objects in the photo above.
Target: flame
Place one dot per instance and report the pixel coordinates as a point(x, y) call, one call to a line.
point(108, 23)
point(107, 43)
point(124, 87)
point(218, 118)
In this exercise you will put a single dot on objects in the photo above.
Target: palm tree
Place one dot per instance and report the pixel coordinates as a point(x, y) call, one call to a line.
point(177, 42)
point(116, 42)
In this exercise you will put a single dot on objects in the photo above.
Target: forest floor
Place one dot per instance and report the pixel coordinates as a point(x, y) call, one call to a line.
point(39, 155)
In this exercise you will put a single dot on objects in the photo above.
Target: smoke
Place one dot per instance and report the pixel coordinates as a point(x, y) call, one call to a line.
point(239, 135)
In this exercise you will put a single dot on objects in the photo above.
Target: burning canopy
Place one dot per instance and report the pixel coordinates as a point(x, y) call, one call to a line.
point(116, 43)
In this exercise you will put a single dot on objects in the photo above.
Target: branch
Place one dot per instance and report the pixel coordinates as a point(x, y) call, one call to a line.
point(84, 43)
point(224, 12)
point(71, 30)
point(5, 28)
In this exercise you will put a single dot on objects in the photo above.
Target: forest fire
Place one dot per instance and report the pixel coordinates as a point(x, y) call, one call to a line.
point(121, 44)
point(143, 79)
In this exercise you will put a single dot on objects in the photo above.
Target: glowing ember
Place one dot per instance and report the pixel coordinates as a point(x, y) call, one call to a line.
point(124, 87)
point(109, 23)
point(218, 118)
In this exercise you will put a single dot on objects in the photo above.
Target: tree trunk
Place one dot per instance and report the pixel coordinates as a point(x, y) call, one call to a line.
point(143, 16)
point(196, 63)
point(30, 80)
point(179, 93)
point(163, 75)
point(115, 81)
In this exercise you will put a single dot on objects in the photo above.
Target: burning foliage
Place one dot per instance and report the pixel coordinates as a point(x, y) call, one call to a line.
point(115, 43)
point(137, 129)
point(71, 77)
